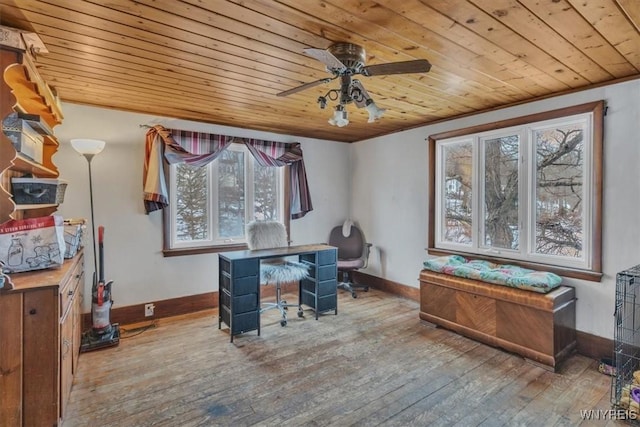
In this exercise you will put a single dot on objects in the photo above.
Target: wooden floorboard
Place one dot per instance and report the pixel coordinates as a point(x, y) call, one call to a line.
point(375, 363)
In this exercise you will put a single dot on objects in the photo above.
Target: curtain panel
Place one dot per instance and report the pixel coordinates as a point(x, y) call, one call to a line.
point(198, 149)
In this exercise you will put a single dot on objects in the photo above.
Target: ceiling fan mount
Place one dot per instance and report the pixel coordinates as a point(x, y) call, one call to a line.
point(344, 60)
point(351, 55)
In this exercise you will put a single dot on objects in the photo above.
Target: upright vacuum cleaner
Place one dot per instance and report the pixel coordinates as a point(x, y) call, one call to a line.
point(102, 333)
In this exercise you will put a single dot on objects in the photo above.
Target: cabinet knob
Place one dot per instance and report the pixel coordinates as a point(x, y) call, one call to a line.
point(70, 293)
point(33, 311)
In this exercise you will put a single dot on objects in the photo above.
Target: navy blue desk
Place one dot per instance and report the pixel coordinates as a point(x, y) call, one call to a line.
point(239, 283)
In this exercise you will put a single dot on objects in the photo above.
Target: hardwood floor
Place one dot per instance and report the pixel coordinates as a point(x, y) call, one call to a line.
point(375, 363)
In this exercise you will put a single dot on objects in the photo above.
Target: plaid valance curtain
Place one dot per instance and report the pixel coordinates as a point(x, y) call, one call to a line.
point(198, 149)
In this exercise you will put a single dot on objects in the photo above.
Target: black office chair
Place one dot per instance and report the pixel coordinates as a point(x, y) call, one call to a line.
point(353, 254)
point(268, 235)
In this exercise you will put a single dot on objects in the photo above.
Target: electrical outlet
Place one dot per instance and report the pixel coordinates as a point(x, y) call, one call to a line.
point(148, 309)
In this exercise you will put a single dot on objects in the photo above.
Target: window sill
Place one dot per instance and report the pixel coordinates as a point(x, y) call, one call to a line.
point(203, 250)
point(592, 276)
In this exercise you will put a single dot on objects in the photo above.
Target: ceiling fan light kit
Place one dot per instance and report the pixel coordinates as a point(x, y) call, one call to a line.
point(375, 112)
point(344, 60)
point(340, 117)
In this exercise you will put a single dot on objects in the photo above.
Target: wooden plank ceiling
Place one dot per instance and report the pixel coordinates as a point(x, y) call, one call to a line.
point(224, 61)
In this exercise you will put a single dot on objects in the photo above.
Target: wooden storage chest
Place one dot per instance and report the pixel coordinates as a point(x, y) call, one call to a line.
point(540, 327)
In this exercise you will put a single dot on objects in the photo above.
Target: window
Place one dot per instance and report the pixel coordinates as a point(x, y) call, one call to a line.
point(210, 205)
point(525, 191)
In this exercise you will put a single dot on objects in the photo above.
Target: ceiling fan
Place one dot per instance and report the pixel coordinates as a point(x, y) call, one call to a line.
point(345, 60)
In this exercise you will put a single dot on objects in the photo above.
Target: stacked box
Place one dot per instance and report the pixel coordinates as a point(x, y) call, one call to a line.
point(11, 37)
point(24, 138)
point(34, 191)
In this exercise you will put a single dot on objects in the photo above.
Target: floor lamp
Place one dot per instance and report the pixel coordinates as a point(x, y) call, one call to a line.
point(102, 333)
point(89, 148)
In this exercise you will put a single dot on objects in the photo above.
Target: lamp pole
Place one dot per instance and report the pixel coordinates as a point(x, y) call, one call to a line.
point(89, 157)
point(89, 148)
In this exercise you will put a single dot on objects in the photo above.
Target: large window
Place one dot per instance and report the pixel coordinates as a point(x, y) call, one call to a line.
point(210, 205)
point(526, 191)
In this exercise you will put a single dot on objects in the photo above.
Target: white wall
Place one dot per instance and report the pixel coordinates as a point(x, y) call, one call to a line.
point(388, 193)
point(389, 196)
point(133, 240)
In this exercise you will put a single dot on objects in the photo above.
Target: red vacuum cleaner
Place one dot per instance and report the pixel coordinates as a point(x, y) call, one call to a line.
point(102, 333)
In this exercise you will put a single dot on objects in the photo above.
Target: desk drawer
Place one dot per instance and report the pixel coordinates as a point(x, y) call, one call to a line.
point(327, 257)
point(246, 267)
point(327, 287)
point(244, 322)
point(325, 303)
point(245, 285)
point(325, 272)
point(240, 304)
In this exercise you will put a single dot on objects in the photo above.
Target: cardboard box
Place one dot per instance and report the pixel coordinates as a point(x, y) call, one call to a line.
point(32, 244)
point(25, 140)
point(37, 191)
point(11, 37)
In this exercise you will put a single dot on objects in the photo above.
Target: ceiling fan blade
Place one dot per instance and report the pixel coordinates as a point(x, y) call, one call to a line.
point(417, 66)
point(304, 86)
point(326, 58)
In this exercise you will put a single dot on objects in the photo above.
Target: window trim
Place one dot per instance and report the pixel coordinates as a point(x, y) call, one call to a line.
point(167, 251)
point(597, 108)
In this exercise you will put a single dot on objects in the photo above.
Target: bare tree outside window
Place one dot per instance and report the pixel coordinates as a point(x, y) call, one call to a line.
point(501, 183)
point(526, 190)
point(458, 192)
point(559, 191)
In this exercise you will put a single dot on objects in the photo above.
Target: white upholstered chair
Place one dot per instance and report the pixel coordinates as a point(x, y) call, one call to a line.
point(269, 235)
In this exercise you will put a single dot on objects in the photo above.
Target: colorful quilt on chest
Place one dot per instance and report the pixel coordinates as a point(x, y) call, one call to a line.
point(498, 274)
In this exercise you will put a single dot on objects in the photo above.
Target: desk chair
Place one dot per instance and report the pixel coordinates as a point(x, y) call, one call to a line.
point(268, 235)
point(353, 254)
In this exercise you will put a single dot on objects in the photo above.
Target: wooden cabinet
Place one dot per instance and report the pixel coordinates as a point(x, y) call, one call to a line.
point(39, 343)
point(23, 90)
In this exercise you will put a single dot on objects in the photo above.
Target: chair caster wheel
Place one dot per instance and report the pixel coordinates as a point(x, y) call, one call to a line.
point(300, 313)
point(283, 323)
point(354, 295)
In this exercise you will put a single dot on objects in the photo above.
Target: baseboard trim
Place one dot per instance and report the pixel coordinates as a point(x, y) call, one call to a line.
point(592, 346)
point(387, 285)
point(176, 306)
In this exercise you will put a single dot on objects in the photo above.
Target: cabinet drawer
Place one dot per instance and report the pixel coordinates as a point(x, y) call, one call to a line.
point(245, 322)
point(245, 285)
point(246, 267)
point(327, 287)
point(327, 257)
point(327, 272)
point(69, 290)
point(240, 304)
point(324, 272)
